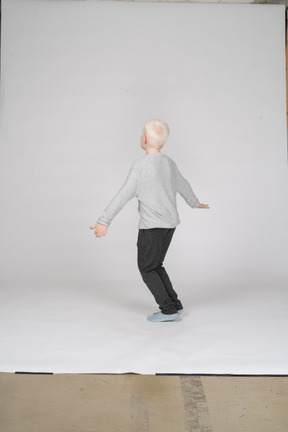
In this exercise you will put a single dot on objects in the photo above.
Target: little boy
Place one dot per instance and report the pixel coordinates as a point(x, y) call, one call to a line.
point(154, 180)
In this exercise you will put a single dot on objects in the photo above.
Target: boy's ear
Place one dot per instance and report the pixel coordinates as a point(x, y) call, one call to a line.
point(145, 139)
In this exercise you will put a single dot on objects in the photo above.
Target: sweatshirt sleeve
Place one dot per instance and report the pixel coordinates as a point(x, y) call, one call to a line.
point(125, 194)
point(185, 190)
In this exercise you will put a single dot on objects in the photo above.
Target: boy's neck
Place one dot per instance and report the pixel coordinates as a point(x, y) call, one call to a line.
point(152, 151)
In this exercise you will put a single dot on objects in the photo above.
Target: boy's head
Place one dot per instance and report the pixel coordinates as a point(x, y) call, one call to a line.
point(155, 134)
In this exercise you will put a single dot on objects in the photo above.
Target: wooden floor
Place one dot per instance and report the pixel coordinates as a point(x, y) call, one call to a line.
point(142, 403)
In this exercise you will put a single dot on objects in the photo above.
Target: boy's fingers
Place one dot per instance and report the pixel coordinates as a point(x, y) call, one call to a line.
point(100, 230)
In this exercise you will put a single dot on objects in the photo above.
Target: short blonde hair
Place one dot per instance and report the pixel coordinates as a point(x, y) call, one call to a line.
point(157, 132)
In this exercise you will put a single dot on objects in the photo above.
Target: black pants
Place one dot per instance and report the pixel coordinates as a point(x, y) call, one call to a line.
point(152, 247)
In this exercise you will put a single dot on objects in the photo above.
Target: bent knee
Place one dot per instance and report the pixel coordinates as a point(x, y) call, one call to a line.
point(148, 268)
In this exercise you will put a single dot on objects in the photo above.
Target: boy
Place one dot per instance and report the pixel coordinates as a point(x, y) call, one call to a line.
point(154, 180)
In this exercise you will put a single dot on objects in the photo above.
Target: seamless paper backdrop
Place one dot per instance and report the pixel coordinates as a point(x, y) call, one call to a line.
point(79, 79)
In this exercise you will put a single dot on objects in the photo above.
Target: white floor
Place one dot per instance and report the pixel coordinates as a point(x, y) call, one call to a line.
point(96, 329)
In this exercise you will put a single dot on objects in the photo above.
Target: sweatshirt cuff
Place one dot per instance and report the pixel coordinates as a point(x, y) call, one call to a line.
point(102, 222)
point(196, 204)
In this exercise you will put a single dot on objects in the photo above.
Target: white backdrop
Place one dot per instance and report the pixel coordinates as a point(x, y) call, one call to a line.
point(79, 79)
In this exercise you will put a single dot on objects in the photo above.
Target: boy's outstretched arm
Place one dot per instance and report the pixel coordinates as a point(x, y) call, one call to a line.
point(185, 190)
point(126, 192)
point(100, 230)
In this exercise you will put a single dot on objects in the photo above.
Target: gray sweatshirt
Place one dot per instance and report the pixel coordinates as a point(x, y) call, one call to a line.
point(155, 180)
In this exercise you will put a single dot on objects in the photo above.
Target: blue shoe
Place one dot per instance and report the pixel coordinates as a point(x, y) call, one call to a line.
point(160, 317)
point(180, 311)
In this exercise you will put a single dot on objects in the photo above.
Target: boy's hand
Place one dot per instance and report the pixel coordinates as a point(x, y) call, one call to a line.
point(204, 206)
point(100, 230)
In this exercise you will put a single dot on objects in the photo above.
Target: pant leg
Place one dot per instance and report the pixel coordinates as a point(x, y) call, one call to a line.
point(152, 247)
point(163, 274)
